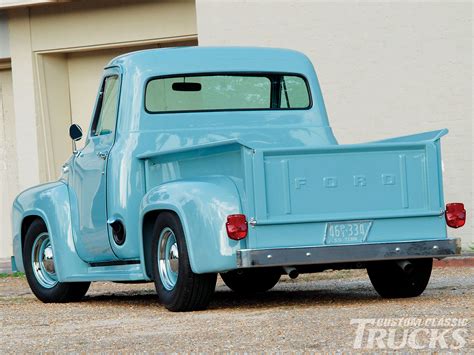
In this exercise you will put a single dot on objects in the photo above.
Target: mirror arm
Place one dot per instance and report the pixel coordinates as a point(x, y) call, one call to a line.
point(74, 147)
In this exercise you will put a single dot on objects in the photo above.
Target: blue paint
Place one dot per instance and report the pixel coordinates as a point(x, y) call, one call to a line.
point(282, 167)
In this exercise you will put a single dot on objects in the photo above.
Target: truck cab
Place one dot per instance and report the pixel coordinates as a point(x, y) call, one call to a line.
point(203, 161)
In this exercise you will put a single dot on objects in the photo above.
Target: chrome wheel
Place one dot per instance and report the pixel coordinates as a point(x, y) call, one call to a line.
point(42, 261)
point(168, 258)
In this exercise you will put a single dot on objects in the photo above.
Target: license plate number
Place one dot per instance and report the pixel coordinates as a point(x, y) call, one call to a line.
point(347, 232)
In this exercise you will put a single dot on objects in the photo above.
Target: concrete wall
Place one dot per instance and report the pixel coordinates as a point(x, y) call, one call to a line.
point(386, 68)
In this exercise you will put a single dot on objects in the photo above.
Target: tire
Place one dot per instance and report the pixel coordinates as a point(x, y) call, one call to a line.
point(251, 281)
point(178, 287)
point(390, 281)
point(42, 277)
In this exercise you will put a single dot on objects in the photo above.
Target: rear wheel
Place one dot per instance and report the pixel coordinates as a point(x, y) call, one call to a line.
point(391, 281)
point(178, 287)
point(40, 269)
point(250, 281)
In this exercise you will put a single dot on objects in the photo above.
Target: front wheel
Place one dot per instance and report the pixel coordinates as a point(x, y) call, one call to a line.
point(40, 269)
point(177, 286)
point(390, 280)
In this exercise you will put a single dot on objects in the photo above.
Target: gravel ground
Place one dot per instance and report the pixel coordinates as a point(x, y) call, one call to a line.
point(311, 313)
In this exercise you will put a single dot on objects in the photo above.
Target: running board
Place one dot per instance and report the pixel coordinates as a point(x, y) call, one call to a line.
point(127, 272)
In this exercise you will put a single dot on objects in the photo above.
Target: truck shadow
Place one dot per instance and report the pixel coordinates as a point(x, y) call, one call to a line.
point(226, 299)
point(281, 298)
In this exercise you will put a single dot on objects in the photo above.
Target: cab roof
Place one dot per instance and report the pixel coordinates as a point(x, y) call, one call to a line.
point(187, 60)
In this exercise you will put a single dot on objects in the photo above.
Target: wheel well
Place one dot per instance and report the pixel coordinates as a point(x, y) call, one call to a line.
point(25, 224)
point(147, 230)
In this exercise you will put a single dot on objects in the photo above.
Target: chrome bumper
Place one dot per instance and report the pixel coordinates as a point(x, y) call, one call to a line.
point(347, 253)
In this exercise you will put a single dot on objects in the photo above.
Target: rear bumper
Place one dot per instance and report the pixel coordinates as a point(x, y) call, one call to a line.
point(347, 253)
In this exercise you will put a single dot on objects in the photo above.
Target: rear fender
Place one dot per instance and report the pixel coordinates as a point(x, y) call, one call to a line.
point(50, 202)
point(202, 206)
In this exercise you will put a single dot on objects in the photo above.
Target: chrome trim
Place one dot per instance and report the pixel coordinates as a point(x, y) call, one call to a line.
point(168, 258)
point(42, 261)
point(48, 260)
point(347, 253)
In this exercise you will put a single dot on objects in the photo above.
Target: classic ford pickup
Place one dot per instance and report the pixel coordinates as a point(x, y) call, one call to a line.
point(201, 161)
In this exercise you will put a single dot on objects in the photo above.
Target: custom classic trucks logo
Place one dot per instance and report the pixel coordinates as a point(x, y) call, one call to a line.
point(411, 333)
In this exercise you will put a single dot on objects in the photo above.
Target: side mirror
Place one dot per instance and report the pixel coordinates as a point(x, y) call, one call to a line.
point(75, 132)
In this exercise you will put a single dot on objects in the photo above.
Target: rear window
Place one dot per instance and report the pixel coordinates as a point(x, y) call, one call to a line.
point(216, 92)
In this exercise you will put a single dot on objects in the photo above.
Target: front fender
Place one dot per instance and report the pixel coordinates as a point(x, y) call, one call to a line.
point(202, 205)
point(50, 202)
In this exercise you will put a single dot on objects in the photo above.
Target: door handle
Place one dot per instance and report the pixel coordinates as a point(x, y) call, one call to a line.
point(102, 155)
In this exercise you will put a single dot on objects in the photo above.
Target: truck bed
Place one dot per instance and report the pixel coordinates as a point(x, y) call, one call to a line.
point(381, 192)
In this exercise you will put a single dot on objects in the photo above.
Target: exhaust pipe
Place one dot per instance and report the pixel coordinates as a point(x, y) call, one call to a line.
point(291, 271)
point(406, 266)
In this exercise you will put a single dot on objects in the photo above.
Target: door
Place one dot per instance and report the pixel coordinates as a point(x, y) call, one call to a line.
point(89, 175)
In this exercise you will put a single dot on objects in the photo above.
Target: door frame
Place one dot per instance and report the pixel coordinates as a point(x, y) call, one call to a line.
point(108, 141)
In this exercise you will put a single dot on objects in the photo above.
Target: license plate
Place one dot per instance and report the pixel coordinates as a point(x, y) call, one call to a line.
point(347, 232)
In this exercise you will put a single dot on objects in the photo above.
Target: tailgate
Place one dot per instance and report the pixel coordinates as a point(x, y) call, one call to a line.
point(395, 178)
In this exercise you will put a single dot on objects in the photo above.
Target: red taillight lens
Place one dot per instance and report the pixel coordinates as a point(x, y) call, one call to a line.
point(236, 226)
point(455, 215)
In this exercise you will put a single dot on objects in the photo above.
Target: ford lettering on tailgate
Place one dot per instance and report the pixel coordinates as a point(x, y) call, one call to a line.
point(347, 232)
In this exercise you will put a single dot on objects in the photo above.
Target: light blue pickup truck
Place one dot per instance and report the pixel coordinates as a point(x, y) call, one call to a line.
point(201, 161)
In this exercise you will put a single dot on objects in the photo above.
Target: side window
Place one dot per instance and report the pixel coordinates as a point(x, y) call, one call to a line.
point(293, 92)
point(106, 112)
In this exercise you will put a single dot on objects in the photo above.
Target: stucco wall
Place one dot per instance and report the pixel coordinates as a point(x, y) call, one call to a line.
point(386, 68)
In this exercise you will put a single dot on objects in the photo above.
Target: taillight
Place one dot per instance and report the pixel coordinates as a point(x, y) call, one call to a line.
point(237, 226)
point(455, 215)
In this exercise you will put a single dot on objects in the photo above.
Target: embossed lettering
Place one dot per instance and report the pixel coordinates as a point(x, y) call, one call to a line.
point(388, 179)
point(330, 181)
point(299, 182)
point(360, 180)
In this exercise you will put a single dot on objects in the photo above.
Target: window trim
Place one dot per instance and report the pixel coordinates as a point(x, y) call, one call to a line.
point(98, 107)
point(232, 73)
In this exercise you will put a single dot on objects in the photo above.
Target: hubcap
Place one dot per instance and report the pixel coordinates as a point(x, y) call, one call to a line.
point(168, 258)
point(42, 261)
